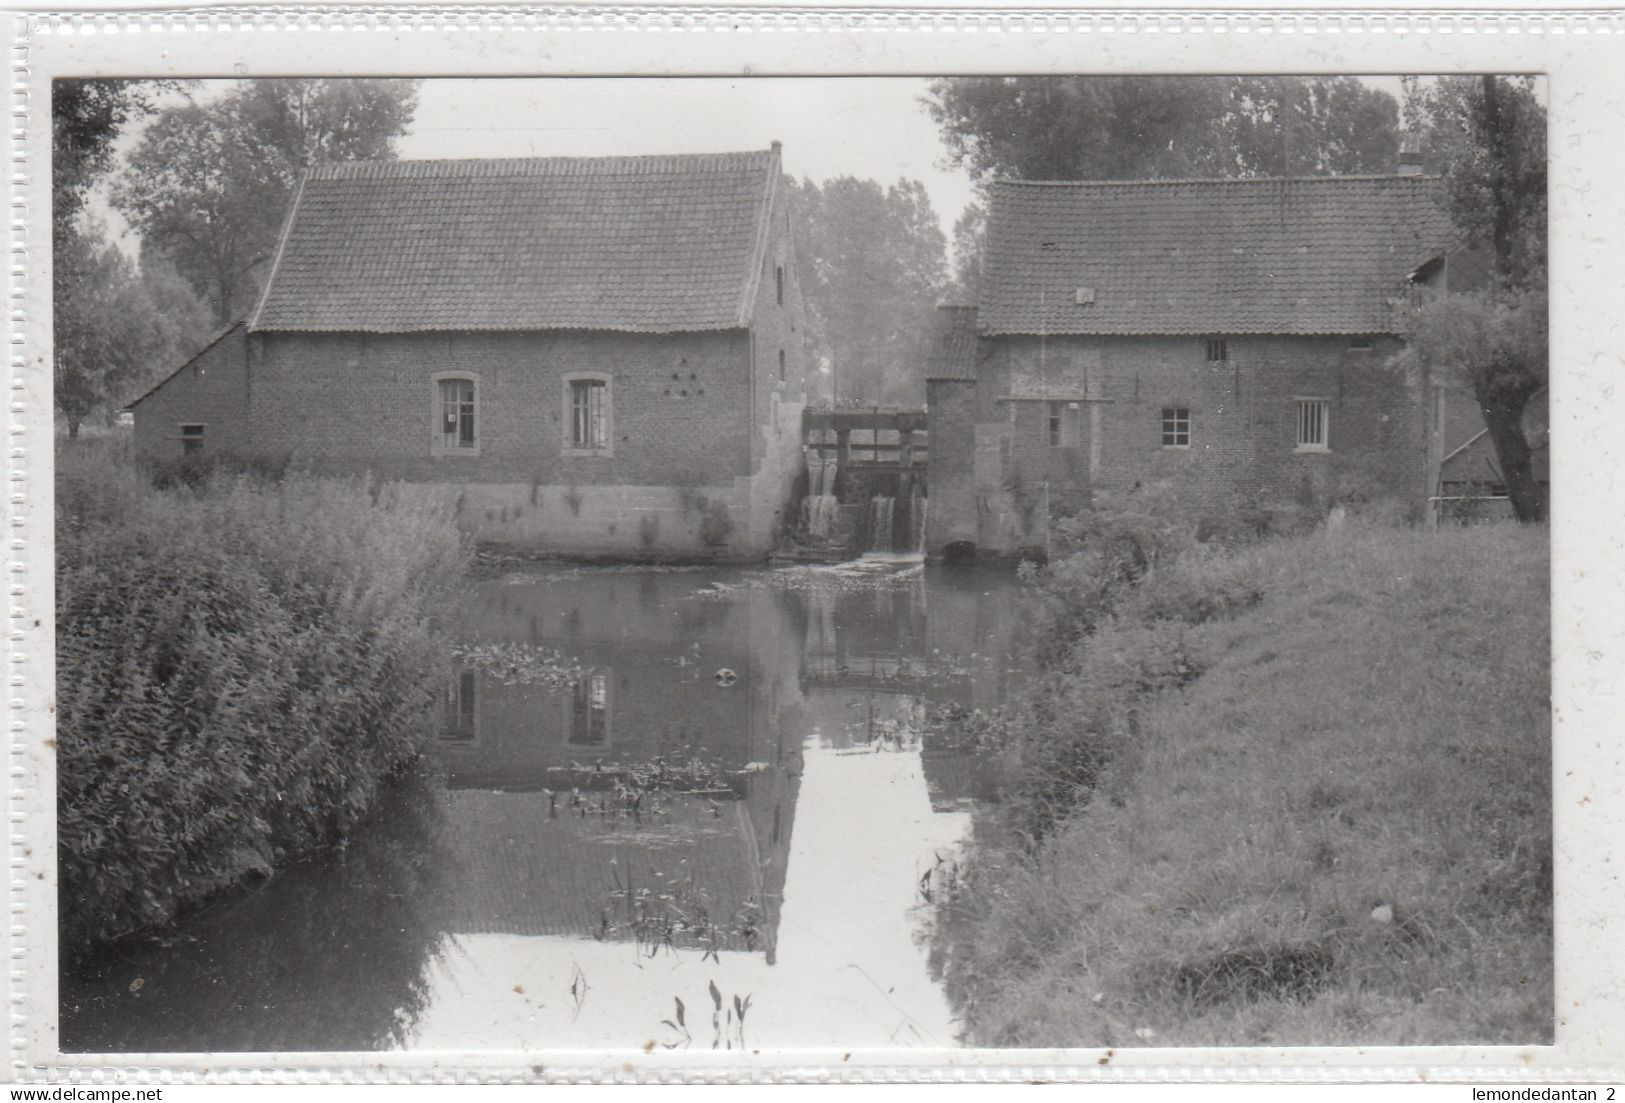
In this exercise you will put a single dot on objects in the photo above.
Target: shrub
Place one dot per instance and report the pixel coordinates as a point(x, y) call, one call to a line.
point(240, 664)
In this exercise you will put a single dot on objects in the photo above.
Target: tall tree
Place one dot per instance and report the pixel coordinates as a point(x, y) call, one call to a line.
point(969, 229)
point(1122, 128)
point(1487, 135)
point(210, 183)
point(118, 327)
point(87, 117)
point(873, 264)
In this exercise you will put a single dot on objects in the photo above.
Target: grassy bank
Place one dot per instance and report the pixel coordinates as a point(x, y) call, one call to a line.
point(1294, 793)
point(241, 661)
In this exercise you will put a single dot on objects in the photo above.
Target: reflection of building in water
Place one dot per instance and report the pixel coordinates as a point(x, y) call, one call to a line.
point(645, 799)
point(878, 658)
point(459, 712)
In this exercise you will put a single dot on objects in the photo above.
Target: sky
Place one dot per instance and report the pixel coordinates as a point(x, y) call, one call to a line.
point(871, 128)
point(868, 127)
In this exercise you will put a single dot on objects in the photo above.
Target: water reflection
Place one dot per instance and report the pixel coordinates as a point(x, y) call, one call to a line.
point(653, 786)
point(329, 955)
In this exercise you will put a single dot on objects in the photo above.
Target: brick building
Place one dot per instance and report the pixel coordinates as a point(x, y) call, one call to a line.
point(1229, 337)
point(593, 356)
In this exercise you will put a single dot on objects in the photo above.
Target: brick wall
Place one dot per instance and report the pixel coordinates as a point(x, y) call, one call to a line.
point(1243, 424)
point(348, 402)
point(777, 327)
point(950, 474)
point(212, 391)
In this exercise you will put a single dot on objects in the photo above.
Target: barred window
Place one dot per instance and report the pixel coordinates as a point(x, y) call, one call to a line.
point(1218, 349)
point(1176, 427)
point(589, 413)
point(1314, 418)
point(456, 430)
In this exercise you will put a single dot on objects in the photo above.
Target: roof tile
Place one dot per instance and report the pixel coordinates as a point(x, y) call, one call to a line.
point(1310, 255)
point(645, 244)
point(952, 351)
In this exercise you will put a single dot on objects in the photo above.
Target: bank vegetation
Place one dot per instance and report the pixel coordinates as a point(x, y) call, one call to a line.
point(1279, 791)
point(243, 659)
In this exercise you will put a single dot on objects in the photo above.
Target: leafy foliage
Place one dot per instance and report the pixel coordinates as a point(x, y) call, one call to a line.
point(241, 665)
point(210, 184)
point(873, 263)
point(1124, 128)
point(1488, 135)
point(113, 322)
point(118, 328)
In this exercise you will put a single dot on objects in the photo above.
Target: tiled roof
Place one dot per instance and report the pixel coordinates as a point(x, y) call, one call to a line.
point(648, 244)
point(1310, 255)
point(952, 352)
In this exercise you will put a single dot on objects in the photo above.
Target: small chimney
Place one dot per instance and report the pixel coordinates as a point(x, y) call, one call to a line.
point(1410, 156)
point(778, 147)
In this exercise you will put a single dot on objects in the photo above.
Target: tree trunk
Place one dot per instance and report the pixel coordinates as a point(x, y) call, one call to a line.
point(1503, 417)
point(1503, 205)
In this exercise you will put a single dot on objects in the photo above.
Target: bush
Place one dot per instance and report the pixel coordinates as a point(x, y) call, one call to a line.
point(240, 664)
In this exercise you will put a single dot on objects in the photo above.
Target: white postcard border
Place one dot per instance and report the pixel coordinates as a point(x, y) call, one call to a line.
point(1579, 51)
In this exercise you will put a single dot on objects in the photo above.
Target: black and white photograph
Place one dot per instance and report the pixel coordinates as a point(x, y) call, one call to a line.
point(1060, 559)
point(1043, 562)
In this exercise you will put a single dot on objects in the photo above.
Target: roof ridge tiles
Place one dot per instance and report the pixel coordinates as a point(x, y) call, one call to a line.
point(636, 165)
point(1003, 181)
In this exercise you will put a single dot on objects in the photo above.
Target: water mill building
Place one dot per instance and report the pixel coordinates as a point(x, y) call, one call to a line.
point(590, 356)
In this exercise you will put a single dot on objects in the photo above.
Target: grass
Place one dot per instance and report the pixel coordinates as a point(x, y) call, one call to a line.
point(1334, 830)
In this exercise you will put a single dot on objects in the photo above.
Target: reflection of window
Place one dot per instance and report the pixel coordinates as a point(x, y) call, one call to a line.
point(589, 711)
point(191, 438)
point(456, 417)
point(1313, 417)
point(459, 712)
point(1176, 427)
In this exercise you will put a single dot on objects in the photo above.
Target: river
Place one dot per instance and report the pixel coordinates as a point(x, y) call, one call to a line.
point(669, 807)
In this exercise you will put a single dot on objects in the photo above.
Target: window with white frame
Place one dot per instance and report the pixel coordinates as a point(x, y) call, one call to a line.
point(589, 419)
point(456, 416)
point(1061, 424)
point(1314, 424)
point(1176, 427)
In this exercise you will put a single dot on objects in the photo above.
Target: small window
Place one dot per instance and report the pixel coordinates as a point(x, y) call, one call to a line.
point(1061, 426)
point(1176, 427)
point(1218, 350)
point(191, 439)
point(589, 711)
point(781, 365)
point(1314, 416)
point(456, 430)
point(778, 282)
point(459, 709)
point(1362, 343)
point(589, 414)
